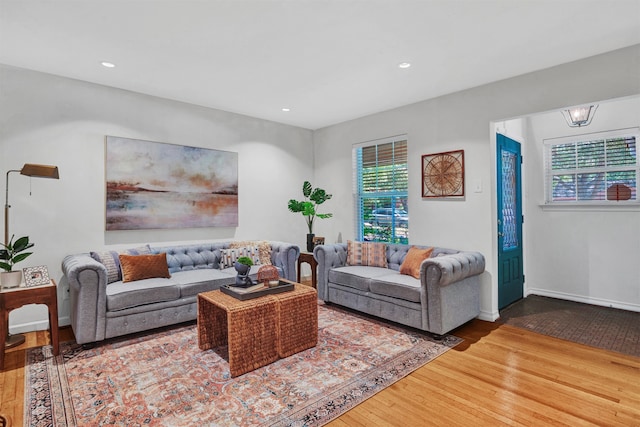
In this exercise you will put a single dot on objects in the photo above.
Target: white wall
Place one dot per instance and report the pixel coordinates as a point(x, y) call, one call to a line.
point(52, 120)
point(464, 121)
point(583, 254)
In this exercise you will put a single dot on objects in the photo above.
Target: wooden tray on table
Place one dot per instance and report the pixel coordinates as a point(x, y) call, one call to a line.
point(243, 295)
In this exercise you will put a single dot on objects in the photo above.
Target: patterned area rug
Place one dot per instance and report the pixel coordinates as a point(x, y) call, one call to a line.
point(164, 379)
point(593, 325)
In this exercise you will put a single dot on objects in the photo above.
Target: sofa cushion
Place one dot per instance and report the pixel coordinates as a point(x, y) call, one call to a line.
point(367, 253)
point(193, 282)
point(139, 250)
point(356, 276)
point(411, 264)
point(264, 249)
point(230, 256)
point(138, 267)
point(397, 285)
point(122, 295)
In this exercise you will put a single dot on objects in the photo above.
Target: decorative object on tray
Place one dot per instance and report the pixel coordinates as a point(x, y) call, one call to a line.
point(11, 254)
point(36, 276)
point(312, 198)
point(242, 266)
point(443, 174)
point(268, 274)
point(241, 290)
point(256, 291)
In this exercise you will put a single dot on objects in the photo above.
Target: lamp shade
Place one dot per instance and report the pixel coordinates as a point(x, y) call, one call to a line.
point(40, 171)
point(579, 116)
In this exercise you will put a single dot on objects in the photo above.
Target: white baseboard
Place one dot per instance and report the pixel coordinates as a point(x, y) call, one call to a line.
point(584, 299)
point(488, 316)
point(41, 325)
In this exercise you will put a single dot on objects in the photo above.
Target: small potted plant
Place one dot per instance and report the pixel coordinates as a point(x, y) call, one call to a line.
point(11, 254)
point(309, 208)
point(242, 266)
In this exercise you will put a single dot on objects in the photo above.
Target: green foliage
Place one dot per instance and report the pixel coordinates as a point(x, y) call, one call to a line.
point(12, 253)
point(245, 260)
point(308, 206)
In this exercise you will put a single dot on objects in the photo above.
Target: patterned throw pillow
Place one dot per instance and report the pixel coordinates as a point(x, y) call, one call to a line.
point(231, 255)
point(412, 261)
point(138, 267)
point(264, 249)
point(111, 261)
point(367, 253)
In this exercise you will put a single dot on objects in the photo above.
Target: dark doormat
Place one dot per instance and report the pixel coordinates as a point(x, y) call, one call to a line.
point(592, 325)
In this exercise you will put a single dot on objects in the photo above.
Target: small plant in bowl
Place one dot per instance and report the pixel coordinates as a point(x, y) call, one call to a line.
point(245, 260)
point(242, 266)
point(11, 254)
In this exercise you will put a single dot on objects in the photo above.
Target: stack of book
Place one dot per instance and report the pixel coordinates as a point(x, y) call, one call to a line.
point(253, 288)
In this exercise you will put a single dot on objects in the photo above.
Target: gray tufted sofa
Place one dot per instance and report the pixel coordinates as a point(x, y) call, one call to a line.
point(446, 296)
point(100, 310)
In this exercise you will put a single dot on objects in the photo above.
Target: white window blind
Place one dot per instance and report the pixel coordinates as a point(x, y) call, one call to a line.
point(380, 177)
point(599, 168)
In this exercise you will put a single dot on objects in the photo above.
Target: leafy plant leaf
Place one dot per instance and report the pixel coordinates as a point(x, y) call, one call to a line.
point(306, 189)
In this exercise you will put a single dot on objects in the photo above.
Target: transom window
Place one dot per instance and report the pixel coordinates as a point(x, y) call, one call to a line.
point(381, 181)
point(599, 168)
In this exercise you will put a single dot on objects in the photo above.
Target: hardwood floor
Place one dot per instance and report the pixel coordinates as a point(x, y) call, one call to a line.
point(499, 375)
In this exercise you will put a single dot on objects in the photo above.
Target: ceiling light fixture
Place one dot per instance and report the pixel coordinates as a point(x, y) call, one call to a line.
point(286, 110)
point(108, 64)
point(579, 116)
point(404, 65)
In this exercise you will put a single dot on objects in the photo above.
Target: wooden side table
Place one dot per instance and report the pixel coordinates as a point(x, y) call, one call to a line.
point(307, 257)
point(10, 299)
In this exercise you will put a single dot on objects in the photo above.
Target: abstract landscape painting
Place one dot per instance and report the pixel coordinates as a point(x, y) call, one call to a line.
point(157, 185)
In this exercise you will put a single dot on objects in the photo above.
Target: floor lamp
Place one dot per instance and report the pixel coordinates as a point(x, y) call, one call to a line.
point(32, 170)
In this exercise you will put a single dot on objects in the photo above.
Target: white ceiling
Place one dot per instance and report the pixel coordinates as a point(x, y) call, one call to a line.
point(327, 60)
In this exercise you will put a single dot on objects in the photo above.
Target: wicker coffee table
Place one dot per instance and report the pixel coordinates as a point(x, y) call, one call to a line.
point(258, 331)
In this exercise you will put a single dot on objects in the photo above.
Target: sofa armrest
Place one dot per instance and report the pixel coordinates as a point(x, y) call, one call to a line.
point(87, 285)
point(451, 268)
point(328, 257)
point(450, 290)
point(285, 256)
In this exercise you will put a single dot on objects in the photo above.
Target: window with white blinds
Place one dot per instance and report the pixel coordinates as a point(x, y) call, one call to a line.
point(597, 168)
point(381, 179)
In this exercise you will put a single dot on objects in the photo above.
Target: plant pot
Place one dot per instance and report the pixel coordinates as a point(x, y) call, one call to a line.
point(242, 269)
point(310, 242)
point(242, 279)
point(11, 279)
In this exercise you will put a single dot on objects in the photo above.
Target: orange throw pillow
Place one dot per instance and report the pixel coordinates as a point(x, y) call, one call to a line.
point(138, 267)
point(411, 264)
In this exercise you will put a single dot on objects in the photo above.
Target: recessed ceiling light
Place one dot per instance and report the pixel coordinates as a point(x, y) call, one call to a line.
point(108, 64)
point(286, 110)
point(404, 65)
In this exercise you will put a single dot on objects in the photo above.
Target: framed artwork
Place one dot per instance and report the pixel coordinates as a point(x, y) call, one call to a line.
point(36, 276)
point(153, 185)
point(443, 174)
point(317, 241)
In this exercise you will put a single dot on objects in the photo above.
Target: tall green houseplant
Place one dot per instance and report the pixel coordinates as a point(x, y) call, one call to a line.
point(313, 197)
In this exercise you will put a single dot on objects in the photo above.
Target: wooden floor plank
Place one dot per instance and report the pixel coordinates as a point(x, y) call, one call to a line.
point(499, 376)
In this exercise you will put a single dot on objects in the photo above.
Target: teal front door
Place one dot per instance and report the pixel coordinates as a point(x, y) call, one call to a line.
point(510, 263)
